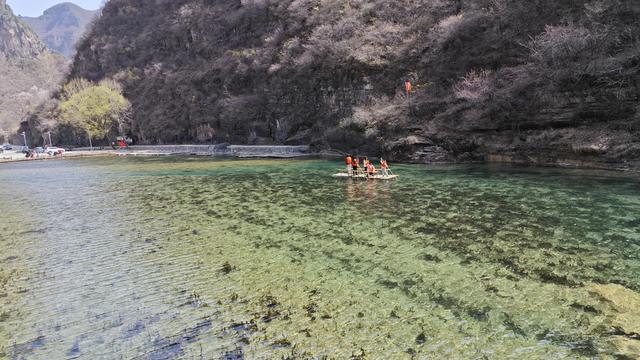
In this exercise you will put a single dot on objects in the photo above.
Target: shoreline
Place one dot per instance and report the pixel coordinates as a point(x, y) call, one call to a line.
point(298, 152)
point(236, 151)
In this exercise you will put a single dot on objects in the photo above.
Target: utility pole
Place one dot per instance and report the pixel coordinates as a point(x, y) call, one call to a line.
point(50, 144)
point(24, 136)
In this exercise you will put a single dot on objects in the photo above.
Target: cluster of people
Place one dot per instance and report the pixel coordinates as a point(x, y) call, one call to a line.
point(362, 166)
point(30, 154)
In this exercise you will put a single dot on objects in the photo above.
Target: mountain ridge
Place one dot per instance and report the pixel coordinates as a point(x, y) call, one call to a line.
point(61, 26)
point(29, 71)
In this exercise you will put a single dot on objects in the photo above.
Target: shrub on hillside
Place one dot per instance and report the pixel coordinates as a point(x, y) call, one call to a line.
point(475, 86)
point(560, 46)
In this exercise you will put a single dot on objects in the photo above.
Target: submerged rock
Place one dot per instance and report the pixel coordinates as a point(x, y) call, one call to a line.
point(623, 310)
point(627, 348)
point(227, 268)
point(626, 306)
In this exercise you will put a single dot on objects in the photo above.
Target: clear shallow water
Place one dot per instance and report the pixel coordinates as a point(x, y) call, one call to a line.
point(160, 258)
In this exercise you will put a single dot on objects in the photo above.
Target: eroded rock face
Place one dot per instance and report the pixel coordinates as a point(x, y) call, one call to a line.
point(16, 40)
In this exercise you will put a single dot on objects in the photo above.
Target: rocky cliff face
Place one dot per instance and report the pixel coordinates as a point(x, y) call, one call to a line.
point(17, 40)
point(61, 26)
point(28, 70)
point(538, 81)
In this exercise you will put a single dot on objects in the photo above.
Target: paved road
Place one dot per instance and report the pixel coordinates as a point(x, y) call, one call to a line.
point(12, 155)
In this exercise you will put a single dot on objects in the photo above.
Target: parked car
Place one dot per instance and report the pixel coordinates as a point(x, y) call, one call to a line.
point(53, 151)
point(24, 149)
point(7, 147)
point(39, 150)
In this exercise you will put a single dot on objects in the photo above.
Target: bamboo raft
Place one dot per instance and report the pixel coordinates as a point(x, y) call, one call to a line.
point(363, 176)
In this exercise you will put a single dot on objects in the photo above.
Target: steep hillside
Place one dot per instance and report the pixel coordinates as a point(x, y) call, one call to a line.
point(28, 71)
point(61, 26)
point(535, 81)
point(16, 40)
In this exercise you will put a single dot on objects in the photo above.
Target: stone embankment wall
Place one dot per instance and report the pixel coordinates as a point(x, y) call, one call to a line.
point(214, 150)
point(240, 151)
point(223, 149)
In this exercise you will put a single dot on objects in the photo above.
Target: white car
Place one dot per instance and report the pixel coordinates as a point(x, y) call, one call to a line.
point(53, 151)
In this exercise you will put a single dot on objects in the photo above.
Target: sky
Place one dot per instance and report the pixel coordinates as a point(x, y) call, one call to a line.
point(35, 8)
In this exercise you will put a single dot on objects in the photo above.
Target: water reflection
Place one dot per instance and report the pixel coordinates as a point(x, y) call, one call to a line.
point(375, 192)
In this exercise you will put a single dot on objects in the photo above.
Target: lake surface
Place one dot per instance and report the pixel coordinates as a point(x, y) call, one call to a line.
point(161, 258)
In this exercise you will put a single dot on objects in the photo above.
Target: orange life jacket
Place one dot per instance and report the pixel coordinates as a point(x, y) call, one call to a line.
point(348, 160)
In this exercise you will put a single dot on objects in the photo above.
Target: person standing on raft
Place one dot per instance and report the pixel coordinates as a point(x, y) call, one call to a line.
point(348, 161)
point(384, 166)
point(355, 165)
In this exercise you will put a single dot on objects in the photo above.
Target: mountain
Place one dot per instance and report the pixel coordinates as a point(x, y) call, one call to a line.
point(523, 81)
point(17, 40)
point(61, 26)
point(28, 70)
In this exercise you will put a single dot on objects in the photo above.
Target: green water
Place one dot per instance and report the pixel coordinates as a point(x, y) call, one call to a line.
point(160, 258)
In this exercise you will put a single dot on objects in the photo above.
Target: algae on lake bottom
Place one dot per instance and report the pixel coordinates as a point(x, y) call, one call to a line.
point(174, 257)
